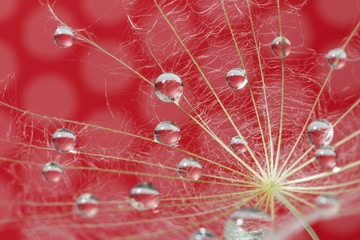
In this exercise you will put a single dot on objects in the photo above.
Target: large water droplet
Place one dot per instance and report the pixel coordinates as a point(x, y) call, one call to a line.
point(87, 205)
point(327, 205)
point(326, 157)
point(236, 78)
point(203, 234)
point(238, 145)
point(144, 196)
point(167, 132)
point(52, 172)
point(63, 140)
point(320, 132)
point(168, 87)
point(279, 45)
point(190, 168)
point(248, 223)
point(64, 37)
point(336, 58)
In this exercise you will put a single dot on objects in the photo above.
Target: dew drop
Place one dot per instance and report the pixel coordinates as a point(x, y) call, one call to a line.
point(248, 223)
point(144, 196)
point(327, 205)
point(203, 234)
point(87, 205)
point(336, 55)
point(236, 78)
point(167, 132)
point(326, 157)
point(168, 87)
point(63, 140)
point(52, 172)
point(238, 145)
point(278, 45)
point(320, 132)
point(64, 37)
point(190, 168)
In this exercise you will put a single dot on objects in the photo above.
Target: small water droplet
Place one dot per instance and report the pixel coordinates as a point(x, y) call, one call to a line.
point(203, 234)
point(87, 205)
point(336, 55)
point(236, 78)
point(168, 87)
point(167, 132)
point(320, 132)
point(63, 140)
point(279, 44)
point(190, 168)
point(248, 223)
point(52, 172)
point(64, 37)
point(327, 205)
point(144, 196)
point(326, 157)
point(238, 145)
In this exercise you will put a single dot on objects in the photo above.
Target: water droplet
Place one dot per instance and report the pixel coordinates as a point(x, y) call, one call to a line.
point(278, 45)
point(168, 87)
point(190, 168)
point(326, 157)
point(327, 205)
point(87, 205)
point(64, 37)
point(167, 132)
point(238, 145)
point(203, 234)
point(63, 140)
point(236, 78)
point(336, 55)
point(52, 172)
point(248, 223)
point(144, 196)
point(320, 132)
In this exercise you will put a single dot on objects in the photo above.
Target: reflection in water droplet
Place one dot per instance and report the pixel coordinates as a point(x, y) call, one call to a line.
point(320, 132)
point(64, 37)
point(87, 205)
point(190, 168)
point(52, 172)
point(279, 45)
point(63, 140)
point(238, 145)
point(336, 58)
point(203, 234)
point(144, 196)
point(167, 132)
point(326, 157)
point(327, 205)
point(236, 78)
point(168, 87)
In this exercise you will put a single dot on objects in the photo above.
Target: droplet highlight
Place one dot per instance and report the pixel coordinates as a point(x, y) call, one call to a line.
point(336, 58)
point(281, 47)
point(238, 145)
point(64, 37)
point(327, 205)
point(326, 157)
point(167, 132)
point(320, 132)
point(52, 172)
point(236, 78)
point(144, 196)
point(87, 205)
point(168, 87)
point(190, 168)
point(63, 140)
point(203, 234)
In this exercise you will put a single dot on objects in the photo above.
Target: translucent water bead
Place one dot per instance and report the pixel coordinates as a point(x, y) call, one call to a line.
point(326, 157)
point(87, 205)
point(203, 234)
point(236, 78)
point(327, 205)
point(63, 140)
point(52, 172)
point(169, 87)
point(238, 145)
point(336, 58)
point(64, 37)
point(144, 196)
point(320, 132)
point(190, 168)
point(167, 132)
point(278, 45)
